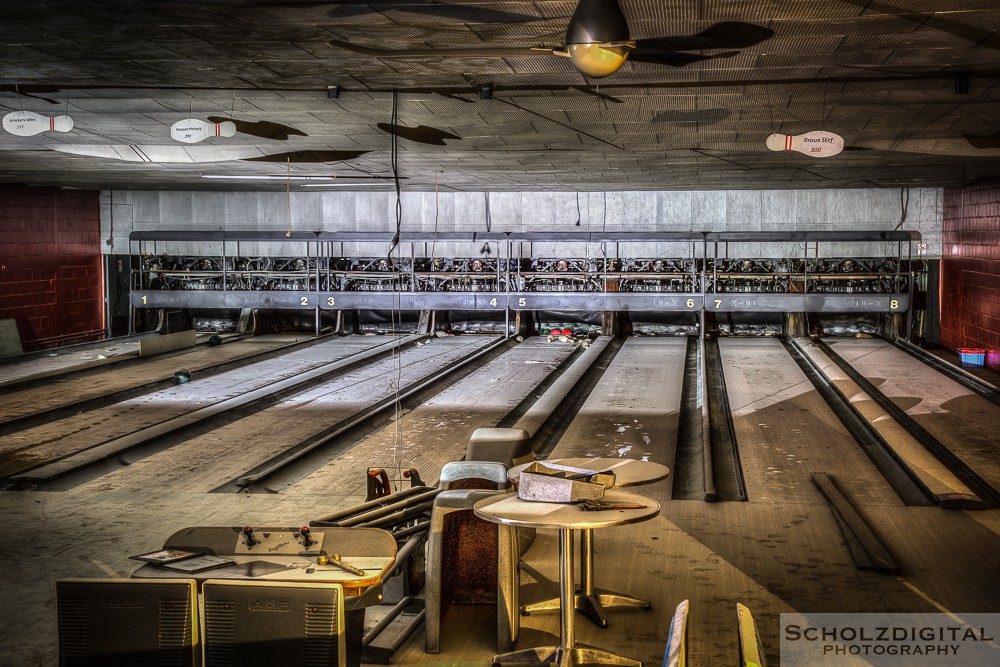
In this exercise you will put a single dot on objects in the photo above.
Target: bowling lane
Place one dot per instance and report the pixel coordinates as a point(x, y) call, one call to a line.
point(963, 421)
point(60, 391)
point(72, 434)
point(634, 409)
point(439, 430)
point(62, 360)
point(212, 459)
point(786, 431)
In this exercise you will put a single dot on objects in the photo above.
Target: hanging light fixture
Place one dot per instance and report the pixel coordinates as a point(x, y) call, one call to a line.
point(597, 37)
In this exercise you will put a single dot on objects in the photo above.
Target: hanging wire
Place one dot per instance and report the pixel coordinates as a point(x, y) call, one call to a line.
point(489, 212)
point(604, 222)
point(904, 204)
point(436, 211)
point(485, 250)
point(394, 163)
point(288, 194)
point(822, 121)
point(395, 317)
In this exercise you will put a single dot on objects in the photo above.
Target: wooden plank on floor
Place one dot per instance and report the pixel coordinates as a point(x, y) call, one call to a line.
point(166, 343)
point(867, 550)
point(10, 338)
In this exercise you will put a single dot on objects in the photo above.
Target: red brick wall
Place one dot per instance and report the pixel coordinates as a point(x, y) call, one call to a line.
point(51, 265)
point(970, 270)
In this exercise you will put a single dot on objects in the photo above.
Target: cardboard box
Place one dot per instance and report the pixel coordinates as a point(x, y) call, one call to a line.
point(551, 483)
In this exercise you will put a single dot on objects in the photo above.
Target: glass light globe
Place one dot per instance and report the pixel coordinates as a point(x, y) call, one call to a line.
point(596, 60)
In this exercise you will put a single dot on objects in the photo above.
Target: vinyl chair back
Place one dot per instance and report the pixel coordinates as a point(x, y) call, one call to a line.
point(474, 475)
point(509, 446)
point(446, 553)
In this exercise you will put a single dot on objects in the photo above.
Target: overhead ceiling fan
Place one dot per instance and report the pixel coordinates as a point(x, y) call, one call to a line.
point(598, 44)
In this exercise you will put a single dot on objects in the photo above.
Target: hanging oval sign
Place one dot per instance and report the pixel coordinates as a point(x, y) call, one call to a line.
point(29, 123)
point(817, 143)
point(192, 130)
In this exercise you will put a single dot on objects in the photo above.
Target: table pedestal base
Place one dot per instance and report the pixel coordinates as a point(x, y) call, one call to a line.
point(565, 657)
point(517, 512)
point(588, 602)
point(592, 606)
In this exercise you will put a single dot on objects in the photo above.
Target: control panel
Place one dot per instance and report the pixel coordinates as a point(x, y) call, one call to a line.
point(277, 542)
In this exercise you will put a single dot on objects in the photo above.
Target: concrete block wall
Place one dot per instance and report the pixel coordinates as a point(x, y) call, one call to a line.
point(970, 270)
point(51, 265)
point(775, 210)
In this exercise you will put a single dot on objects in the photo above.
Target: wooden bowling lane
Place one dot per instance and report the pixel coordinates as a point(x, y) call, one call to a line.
point(62, 360)
point(439, 430)
point(72, 434)
point(212, 459)
point(786, 431)
point(634, 409)
point(964, 422)
point(60, 391)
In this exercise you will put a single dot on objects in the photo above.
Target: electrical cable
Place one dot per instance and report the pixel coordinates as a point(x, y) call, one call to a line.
point(485, 250)
point(394, 164)
point(288, 195)
point(395, 316)
point(436, 212)
point(904, 204)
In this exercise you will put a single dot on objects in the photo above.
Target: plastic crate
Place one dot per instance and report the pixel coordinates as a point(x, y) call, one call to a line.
point(972, 357)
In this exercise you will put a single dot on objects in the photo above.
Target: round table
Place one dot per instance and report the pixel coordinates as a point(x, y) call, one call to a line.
point(590, 603)
point(509, 510)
